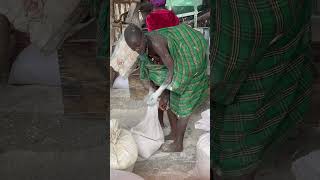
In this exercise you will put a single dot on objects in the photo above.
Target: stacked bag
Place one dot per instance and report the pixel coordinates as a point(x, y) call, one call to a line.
point(123, 153)
point(307, 167)
point(202, 167)
point(123, 148)
point(148, 134)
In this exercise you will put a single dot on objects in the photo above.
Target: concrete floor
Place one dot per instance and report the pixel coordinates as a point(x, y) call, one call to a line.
point(180, 165)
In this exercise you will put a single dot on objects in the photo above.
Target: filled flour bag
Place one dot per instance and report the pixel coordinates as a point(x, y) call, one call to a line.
point(204, 122)
point(123, 148)
point(148, 133)
point(121, 83)
point(202, 168)
point(123, 58)
point(34, 67)
point(307, 167)
point(123, 175)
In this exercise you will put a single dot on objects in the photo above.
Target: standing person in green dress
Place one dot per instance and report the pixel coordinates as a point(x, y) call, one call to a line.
point(174, 59)
point(261, 80)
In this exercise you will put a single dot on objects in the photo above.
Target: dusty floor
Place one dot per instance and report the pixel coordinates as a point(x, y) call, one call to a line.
point(165, 166)
point(179, 165)
point(40, 143)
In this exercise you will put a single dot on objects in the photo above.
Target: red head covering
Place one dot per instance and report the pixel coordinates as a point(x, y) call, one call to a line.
point(161, 18)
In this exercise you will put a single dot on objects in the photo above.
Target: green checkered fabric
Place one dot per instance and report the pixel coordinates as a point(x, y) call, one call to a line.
point(260, 84)
point(190, 83)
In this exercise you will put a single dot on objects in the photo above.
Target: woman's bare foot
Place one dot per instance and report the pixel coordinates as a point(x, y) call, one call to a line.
point(172, 147)
point(170, 136)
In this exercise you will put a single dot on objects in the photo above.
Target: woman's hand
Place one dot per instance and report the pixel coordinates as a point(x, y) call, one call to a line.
point(153, 99)
point(164, 101)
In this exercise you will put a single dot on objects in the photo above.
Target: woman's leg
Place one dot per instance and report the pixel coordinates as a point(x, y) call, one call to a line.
point(178, 134)
point(173, 125)
point(160, 115)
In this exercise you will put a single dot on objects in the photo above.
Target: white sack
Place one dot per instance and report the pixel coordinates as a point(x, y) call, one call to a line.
point(202, 168)
point(123, 58)
point(307, 168)
point(148, 133)
point(121, 83)
point(33, 67)
point(123, 149)
point(123, 175)
point(204, 123)
point(43, 20)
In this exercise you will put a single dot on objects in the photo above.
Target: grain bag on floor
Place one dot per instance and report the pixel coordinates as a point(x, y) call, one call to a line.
point(148, 133)
point(33, 67)
point(204, 122)
point(123, 149)
point(123, 175)
point(308, 167)
point(123, 58)
point(121, 83)
point(202, 168)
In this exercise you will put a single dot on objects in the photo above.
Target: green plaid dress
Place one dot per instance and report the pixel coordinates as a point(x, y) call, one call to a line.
point(261, 78)
point(190, 83)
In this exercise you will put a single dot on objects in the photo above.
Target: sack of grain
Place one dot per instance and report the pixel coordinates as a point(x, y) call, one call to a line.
point(204, 122)
point(307, 167)
point(33, 67)
point(121, 83)
point(123, 175)
point(123, 149)
point(202, 168)
point(123, 58)
point(148, 133)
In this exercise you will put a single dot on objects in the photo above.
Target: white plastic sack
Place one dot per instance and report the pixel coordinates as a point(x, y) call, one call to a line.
point(204, 123)
point(202, 168)
point(123, 175)
point(148, 133)
point(307, 168)
point(33, 67)
point(121, 83)
point(123, 149)
point(123, 58)
point(43, 20)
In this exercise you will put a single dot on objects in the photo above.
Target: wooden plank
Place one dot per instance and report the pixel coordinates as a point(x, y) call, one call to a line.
point(84, 86)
